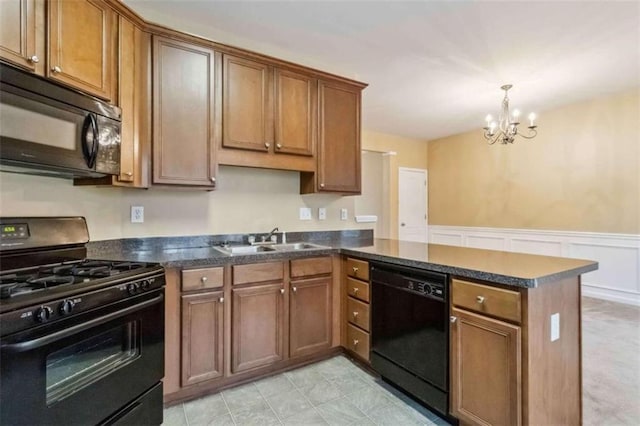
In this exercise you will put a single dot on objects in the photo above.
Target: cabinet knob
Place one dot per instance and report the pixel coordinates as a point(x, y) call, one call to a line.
point(355, 342)
point(279, 146)
point(355, 290)
point(221, 300)
point(282, 291)
point(355, 314)
point(355, 270)
point(33, 59)
point(203, 279)
point(56, 69)
point(453, 319)
point(213, 179)
point(322, 185)
point(480, 299)
point(267, 145)
point(295, 289)
point(129, 174)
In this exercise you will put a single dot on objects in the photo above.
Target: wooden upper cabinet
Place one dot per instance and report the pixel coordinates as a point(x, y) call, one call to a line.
point(295, 113)
point(247, 104)
point(185, 95)
point(339, 139)
point(134, 98)
point(82, 36)
point(485, 370)
point(310, 316)
point(18, 33)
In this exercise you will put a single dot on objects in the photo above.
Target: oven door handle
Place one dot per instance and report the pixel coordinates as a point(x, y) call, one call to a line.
point(50, 338)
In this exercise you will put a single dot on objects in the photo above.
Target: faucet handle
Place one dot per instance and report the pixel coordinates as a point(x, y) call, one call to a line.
point(251, 239)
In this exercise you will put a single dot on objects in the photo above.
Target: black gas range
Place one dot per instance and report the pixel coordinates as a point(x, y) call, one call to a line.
point(81, 340)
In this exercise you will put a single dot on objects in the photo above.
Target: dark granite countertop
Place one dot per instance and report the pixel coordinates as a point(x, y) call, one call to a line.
point(515, 269)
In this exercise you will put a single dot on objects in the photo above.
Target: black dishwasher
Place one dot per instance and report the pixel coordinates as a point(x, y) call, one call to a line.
point(410, 332)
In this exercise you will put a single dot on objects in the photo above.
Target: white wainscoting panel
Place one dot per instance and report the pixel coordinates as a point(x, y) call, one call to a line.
point(618, 255)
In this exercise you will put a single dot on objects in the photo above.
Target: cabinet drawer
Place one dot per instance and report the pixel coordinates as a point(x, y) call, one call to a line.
point(200, 279)
point(492, 301)
point(358, 289)
point(258, 272)
point(358, 269)
point(358, 313)
point(358, 341)
point(311, 266)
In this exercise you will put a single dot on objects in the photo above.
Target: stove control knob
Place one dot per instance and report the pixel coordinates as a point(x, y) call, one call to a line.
point(43, 313)
point(133, 288)
point(66, 307)
point(145, 285)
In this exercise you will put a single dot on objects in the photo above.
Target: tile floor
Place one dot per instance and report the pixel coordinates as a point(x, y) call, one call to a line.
point(338, 392)
point(331, 392)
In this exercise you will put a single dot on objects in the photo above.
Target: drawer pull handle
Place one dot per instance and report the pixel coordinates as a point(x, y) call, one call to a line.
point(355, 270)
point(282, 291)
point(221, 300)
point(480, 299)
point(355, 342)
point(453, 319)
point(203, 279)
point(355, 290)
point(355, 314)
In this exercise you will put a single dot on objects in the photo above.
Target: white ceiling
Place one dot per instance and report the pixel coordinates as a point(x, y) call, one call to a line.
point(434, 68)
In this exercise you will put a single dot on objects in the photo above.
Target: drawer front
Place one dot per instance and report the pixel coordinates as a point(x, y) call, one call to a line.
point(358, 341)
point(498, 302)
point(310, 266)
point(200, 279)
point(358, 289)
point(358, 269)
point(258, 272)
point(358, 313)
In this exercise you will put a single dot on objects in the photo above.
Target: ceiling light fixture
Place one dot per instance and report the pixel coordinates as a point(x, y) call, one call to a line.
point(506, 129)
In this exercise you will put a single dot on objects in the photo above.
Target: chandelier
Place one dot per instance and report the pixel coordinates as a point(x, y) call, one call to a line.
point(506, 129)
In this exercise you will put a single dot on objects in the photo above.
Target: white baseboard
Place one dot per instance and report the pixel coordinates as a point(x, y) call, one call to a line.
point(618, 255)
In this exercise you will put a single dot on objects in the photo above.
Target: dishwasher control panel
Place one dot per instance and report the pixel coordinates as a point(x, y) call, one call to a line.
point(425, 283)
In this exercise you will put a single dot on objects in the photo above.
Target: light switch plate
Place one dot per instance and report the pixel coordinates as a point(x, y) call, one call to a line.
point(555, 327)
point(322, 213)
point(305, 213)
point(137, 214)
point(344, 214)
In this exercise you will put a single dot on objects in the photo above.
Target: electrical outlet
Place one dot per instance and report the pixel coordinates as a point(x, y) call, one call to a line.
point(555, 327)
point(344, 214)
point(305, 213)
point(137, 214)
point(322, 213)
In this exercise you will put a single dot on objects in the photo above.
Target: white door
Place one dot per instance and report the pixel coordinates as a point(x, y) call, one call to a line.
point(412, 204)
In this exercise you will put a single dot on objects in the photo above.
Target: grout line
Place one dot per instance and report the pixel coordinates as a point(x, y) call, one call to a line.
point(228, 409)
point(184, 414)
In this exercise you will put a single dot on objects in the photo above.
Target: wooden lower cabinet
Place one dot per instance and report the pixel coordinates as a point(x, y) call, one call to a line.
point(310, 316)
point(202, 337)
point(485, 370)
point(257, 325)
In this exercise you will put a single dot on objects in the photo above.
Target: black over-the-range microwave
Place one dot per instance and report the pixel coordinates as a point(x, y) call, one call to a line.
point(50, 130)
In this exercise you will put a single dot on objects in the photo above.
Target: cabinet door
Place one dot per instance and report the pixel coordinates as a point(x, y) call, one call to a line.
point(18, 33)
point(339, 147)
point(184, 96)
point(485, 370)
point(81, 44)
point(202, 337)
point(295, 113)
point(257, 326)
point(134, 46)
point(247, 105)
point(310, 316)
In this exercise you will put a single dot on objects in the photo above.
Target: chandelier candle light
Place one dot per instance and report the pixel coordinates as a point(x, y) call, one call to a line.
point(506, 129)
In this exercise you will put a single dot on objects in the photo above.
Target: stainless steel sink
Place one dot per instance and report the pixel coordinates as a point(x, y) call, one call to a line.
point(245, 249)
point(298, 246)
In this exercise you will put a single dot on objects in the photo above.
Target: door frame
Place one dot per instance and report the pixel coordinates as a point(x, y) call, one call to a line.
point(426, 198)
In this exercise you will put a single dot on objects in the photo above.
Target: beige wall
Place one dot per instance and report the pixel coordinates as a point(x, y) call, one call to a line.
point(581, 173)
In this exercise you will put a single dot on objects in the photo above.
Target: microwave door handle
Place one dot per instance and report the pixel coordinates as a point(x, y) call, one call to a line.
point(90, 152)
point(50, 338)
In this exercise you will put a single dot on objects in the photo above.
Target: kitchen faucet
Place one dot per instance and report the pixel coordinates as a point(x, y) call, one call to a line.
point(273, 231)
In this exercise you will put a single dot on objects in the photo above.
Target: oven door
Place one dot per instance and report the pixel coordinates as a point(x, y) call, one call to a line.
point(84, 370)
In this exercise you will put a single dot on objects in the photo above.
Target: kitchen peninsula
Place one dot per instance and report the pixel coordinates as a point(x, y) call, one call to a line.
point(515, 335)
